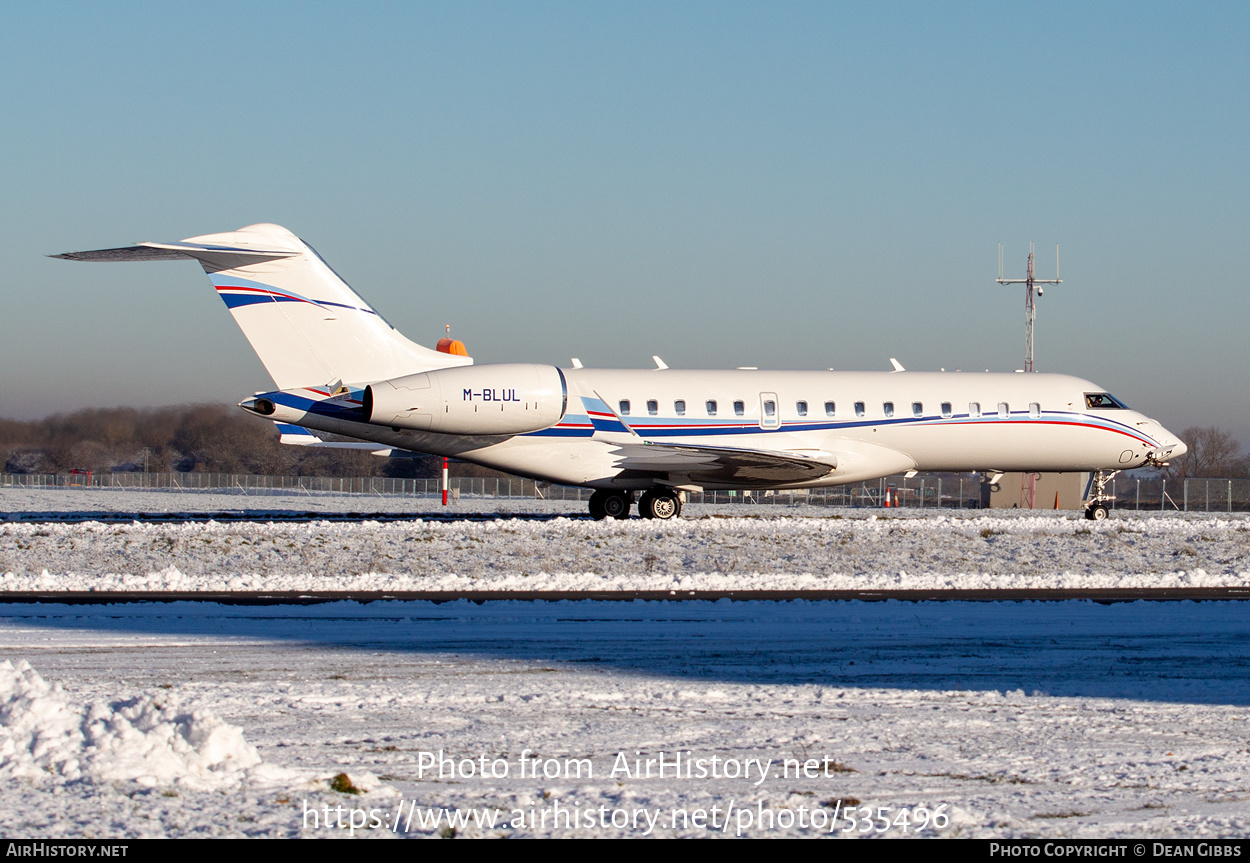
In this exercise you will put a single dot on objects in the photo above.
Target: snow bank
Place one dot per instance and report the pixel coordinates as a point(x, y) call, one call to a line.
point(146, 740)
point(1054, 549)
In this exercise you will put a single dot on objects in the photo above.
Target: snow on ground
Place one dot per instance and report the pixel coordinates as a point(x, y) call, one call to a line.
point(1011, 719)
point(145, 739)
point(139, 500)
point(718, 550)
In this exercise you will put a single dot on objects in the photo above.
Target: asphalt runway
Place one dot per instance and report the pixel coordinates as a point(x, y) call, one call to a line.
point(1103, 596)
point(266, 516)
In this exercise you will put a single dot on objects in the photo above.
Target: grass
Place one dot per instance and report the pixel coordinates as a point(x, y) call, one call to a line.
point(342, 783)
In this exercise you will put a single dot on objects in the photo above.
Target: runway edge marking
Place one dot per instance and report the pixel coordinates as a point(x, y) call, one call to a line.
point(300, 597)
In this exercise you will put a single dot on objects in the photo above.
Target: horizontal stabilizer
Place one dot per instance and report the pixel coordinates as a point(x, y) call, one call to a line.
point(219, 257)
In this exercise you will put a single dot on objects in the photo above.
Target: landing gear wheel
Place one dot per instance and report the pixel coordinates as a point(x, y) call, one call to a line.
point(617, 504)
point(610, 504)
point(597, 511)
point(659, 504)
point(1096, 496)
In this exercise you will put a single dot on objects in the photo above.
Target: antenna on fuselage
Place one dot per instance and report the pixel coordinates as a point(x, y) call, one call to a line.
point(1031, 292)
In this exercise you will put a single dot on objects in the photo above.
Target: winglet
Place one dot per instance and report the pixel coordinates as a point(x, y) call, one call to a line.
point(898, 367)
point(660, 365)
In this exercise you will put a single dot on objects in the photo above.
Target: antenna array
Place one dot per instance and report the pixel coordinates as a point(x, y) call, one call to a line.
point(1031, 292)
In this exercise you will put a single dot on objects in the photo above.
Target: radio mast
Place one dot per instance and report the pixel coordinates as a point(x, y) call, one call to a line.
point(1031, 292)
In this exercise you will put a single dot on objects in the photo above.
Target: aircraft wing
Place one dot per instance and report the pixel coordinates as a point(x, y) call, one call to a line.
point(294, 435)
point(706, 464)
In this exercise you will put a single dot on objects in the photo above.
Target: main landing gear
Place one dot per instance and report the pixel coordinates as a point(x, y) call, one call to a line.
point(610, 504)
point(1096, 497)
point(661, 503)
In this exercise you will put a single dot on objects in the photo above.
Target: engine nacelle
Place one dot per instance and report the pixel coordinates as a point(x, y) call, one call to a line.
point(499, 399)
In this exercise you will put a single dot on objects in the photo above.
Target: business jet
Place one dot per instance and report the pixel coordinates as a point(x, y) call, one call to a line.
point(636, 436)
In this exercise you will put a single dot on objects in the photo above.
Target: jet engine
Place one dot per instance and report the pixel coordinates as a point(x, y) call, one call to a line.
point(498, 399)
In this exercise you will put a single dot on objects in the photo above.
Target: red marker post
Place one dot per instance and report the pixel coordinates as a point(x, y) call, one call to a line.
point(444, 482)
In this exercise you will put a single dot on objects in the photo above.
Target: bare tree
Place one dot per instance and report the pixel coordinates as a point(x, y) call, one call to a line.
point(1212, 452)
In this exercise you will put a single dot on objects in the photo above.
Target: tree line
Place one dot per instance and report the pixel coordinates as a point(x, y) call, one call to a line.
point(184, 438)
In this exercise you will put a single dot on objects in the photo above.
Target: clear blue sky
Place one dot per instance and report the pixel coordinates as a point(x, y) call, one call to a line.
point(784, 184)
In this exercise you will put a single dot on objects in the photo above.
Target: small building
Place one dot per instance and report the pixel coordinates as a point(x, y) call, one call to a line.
point(1050, 491)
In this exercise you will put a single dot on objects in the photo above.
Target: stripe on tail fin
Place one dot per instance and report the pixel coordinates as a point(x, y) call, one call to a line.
point(304, 322)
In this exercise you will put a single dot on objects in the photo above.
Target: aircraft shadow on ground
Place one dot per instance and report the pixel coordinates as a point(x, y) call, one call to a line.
point(1156, 651)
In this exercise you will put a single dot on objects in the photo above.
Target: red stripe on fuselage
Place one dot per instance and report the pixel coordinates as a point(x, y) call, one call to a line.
point(990, 420)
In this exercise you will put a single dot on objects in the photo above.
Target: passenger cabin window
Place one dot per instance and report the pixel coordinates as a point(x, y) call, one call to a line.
point(679, 407)
point(624, 407)
point(1035, 410)
point(830, 409)
point(888, 409)
point(1104, 401)
point(917, 409)
point(801, 408)
point(711, 407)
point(974, 409)
point(859, 409)
point(770, 408)
point(1004, 410)
point(653, 407)
point(740, 408)
point(946, 410)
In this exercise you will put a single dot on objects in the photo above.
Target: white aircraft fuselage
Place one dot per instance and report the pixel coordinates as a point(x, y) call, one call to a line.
point(862, 425)
point(341, 368)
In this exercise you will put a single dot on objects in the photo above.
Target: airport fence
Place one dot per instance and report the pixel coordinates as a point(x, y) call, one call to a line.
point(919, 491)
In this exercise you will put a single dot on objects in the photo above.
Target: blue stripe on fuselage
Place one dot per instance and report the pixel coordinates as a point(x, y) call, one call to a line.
point(324, 407)
point(684, 427)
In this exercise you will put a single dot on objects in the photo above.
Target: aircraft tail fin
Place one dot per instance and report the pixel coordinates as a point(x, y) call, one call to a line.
point(305, 323)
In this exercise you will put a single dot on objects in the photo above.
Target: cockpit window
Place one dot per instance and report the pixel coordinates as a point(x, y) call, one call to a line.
point(1103, 401)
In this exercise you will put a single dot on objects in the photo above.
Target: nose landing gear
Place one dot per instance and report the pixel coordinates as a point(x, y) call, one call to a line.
point(1096, 497)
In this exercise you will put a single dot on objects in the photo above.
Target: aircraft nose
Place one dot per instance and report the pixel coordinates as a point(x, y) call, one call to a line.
point(1170, 446)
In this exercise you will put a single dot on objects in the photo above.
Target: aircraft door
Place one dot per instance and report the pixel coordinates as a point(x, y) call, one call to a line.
point(770, 417)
